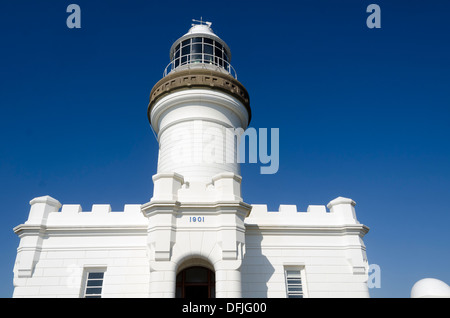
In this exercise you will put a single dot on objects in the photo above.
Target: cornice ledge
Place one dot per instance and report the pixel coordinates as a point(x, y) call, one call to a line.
point(29, 229)
point(33, 229)
point(296, 229)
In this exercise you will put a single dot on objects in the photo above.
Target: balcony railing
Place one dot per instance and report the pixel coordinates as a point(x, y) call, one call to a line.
point(200, 60)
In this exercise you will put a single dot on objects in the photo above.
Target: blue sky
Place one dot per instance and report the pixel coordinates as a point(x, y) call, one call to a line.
point(362, 113)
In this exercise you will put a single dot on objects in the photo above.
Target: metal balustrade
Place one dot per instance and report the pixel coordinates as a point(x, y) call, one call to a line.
point(197, 60)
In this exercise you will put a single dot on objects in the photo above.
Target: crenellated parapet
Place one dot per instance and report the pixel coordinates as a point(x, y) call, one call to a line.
point(337, 212)
point(46, 212)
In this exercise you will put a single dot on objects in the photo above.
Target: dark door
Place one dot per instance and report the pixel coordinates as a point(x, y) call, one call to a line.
point(196, 282)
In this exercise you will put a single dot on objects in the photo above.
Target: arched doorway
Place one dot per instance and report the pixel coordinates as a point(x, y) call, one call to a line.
point(196, 282)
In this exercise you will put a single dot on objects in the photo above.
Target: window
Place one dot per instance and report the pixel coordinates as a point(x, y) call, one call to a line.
point(186, 50)
point(294, 286)
point(200, 50)
point(94, 283)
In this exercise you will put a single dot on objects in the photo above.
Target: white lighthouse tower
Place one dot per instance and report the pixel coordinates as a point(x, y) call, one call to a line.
point(193, 105)
point(196, 215)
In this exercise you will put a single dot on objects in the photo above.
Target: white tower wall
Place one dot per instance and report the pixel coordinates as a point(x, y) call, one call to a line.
point(194, 128)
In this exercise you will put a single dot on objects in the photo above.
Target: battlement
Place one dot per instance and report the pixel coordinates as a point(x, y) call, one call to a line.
point(128, 209)
point(48, 211)
point(340, 211)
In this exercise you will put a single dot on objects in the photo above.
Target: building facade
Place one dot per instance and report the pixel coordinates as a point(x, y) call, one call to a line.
point(196, 237)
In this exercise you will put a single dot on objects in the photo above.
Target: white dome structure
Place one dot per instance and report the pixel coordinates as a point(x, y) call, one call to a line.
point(430, 288)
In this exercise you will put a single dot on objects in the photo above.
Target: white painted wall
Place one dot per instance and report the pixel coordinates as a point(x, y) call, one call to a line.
point(191, 127)
point(326, 245)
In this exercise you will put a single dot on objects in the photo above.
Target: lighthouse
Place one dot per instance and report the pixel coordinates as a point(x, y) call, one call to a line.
point(196, 215)
point(195, 235)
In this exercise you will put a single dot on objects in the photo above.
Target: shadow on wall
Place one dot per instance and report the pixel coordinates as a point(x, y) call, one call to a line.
point(256, 268)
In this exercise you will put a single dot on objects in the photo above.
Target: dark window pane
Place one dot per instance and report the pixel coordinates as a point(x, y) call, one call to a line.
point(294, 281)
point(208, 49)
point(186, 42)
point(186, 50)
point(177, 54)
point(177, 47)
point(218, 52)
point(197, 40)
point(94, 296)
point(293, 273)
point(95, 275)
point(177, 62)
point(209, 41)
point(92, 283)
point(295, 289)
point(90, 290)
point(184, 60)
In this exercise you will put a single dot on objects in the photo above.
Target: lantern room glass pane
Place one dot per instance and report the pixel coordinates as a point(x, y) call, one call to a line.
point(196, 58)
point(196, 48)
point(208, 58)
point(208, 49)
point(186, 50)
point(218, 52)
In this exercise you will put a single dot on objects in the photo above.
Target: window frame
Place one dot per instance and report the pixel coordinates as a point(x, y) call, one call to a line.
point(300, 269)
point(86, 280)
